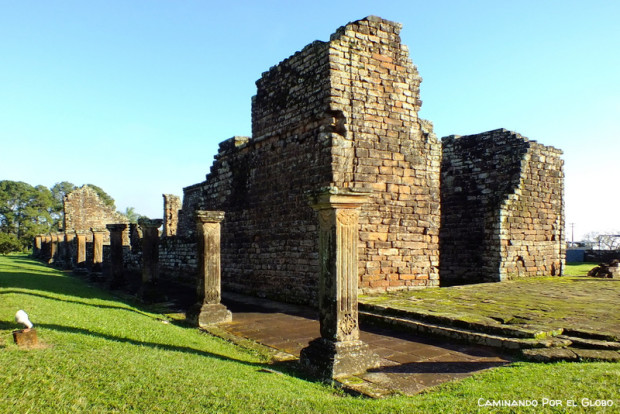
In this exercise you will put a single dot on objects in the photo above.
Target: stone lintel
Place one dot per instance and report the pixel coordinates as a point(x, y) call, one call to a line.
point(98, 230)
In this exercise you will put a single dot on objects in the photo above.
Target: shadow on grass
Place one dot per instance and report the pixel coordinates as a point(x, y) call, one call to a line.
point(66, 285)
point(286, 367)
point(154, 345)
point(77, 302)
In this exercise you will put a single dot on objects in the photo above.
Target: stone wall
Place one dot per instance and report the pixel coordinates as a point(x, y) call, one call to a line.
point(339, 113)
point(172, 206)
point(502, 208)
point(84, 210)
point(382, 146)
point(343, 114)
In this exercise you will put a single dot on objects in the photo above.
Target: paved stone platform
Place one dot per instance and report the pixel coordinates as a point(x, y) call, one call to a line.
point(409, 363)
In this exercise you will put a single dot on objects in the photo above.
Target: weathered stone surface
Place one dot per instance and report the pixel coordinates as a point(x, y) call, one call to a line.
point(338, 352)
point(26, 338)
point(117, 276)
point(606, 270)
point(97, 249)
point(172, 206)
point(150, 257)
point(502, 208)
point(329, 359)
point(83, 210)
point(208, 310)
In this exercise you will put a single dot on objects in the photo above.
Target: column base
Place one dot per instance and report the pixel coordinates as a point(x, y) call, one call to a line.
point(26, 338)
point(150, 292)
point(207, 314)
point(328, 359)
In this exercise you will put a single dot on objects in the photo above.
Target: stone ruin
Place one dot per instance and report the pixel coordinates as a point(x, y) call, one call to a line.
point(606, 270)
point(343, 188)
point(344, 114)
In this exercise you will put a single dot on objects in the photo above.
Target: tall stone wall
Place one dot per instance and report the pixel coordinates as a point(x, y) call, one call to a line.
point(381, 145)
point(339, 113)
point(502, 208)
point(269, 234)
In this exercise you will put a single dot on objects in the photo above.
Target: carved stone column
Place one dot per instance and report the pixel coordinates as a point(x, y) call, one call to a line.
point(36, 246)
point(117, 274)
point(69, 251)
point(80, 250)
point(46, 248)
point(97, 265)
point(338, 352)
point(208, 310)
point(150, 257)
point(59, 260)
point(53, 248)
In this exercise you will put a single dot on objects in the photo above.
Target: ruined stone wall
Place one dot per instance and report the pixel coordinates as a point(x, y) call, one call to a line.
point(339, 113)
point(83, 210)
point(172, 206)
point(192, 200)
point(178, 259)
point(381, 145)
point(269, 234)
point(502, 208)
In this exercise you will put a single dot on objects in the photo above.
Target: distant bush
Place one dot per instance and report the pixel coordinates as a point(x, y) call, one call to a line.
point(9, 243)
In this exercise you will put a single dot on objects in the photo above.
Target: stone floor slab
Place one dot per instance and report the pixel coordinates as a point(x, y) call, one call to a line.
point(409, 363)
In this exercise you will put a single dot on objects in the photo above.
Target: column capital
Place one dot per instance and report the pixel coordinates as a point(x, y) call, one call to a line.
point(209, 216)
point(117, 226)
point(97, 230)
point(146, 222)
point(334, 197)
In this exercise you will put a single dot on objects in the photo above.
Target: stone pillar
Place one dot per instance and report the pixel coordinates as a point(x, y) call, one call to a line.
point(59, 260)
point(97, 265)
point(36, 246)
point(69, 249)
point(150, 257)
point(208, 310)
point(117, 274)
point(172, 205)
point(46, 248)
point(53, 248)
point(80, 250)
point(338, 352)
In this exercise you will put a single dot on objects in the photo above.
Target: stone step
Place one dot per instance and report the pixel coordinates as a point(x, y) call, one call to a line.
point(455, 322)
point(462, 334)
point(591, 343)
point(570, 354)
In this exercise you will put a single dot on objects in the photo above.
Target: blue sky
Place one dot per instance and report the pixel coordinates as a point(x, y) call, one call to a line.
point(134, 96)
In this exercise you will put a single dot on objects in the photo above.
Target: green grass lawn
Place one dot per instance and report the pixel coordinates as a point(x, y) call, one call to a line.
point(103, 354)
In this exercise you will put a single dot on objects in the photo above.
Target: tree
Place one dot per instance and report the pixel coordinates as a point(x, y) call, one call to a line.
point(24, 210)
point(132, 216)
point(59, 191)
point(604, 241)
point(9, 243)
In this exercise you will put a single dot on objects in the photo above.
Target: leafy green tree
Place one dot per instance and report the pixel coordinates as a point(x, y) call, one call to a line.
point(132, 216)
point(25, 210)
point(9, 243)
point(59, 191)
